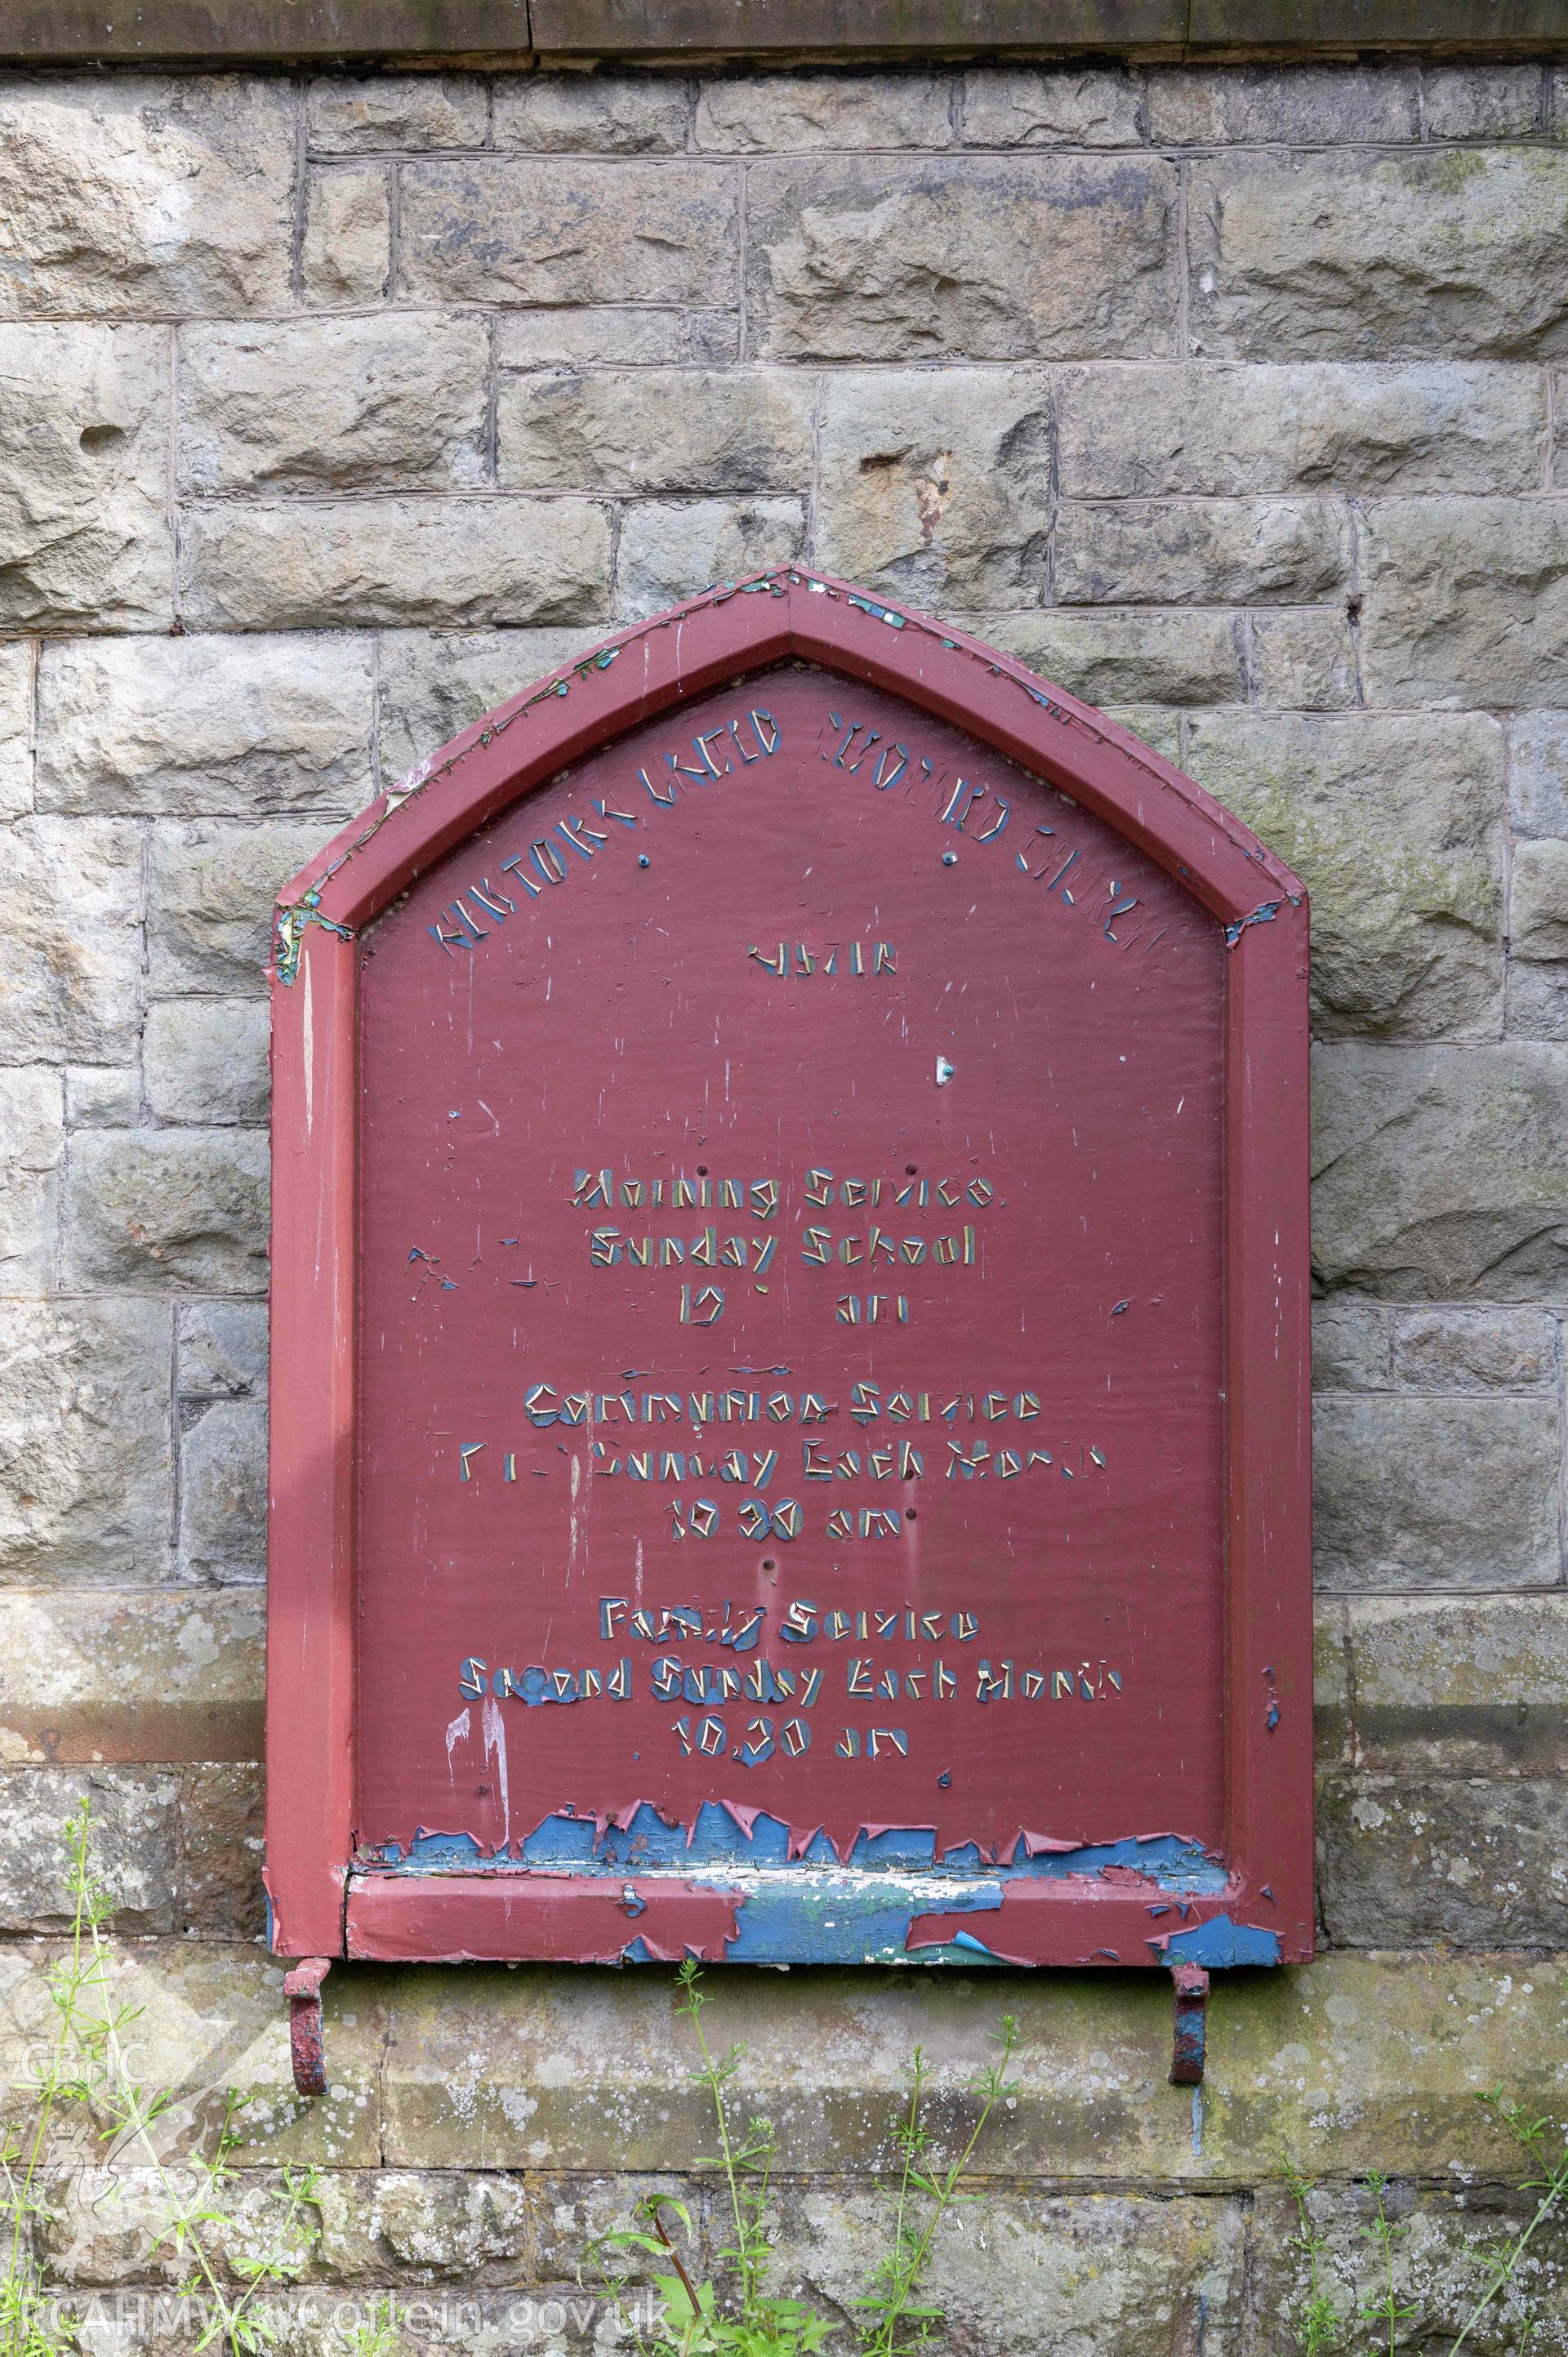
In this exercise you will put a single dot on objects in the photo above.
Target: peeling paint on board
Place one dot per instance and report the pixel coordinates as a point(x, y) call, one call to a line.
point(796, 1900)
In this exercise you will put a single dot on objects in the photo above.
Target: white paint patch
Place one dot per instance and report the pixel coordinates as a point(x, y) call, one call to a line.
point(457, 1733)
point(495, 1748)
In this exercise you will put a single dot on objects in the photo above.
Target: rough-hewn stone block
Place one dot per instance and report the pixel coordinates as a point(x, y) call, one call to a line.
point(432, 684)
point(130, 195)
point(865, 259)
point(1354, 256)
point(1208, 551)
point(671, 549)
point(659, 429)
point(362, 2229)
point(347, 115)
point(209, 899)
point(1395, 828)
point(600, 113)
point(568, 335)
point(567, 2212)
point(150, 1675)
point(223, 1490)
point(174, 1208)
point(347, 252)
point(84, 429)
point(1467, 601)
point(521, 229)
point(1307, 105)
point(1112, 2272)
point(15, 729)
point(1224, 428)
point(1442, 1171)
point(1161, 731)
point(32, 1123)
point(1538, 773)
point(1461, 1686)
point(193, 725)
point(1538, 976)
point(1537, 1001)
point(133, 1846)
point(104, 2227)
point(1538, 902)
point(70, 910)
point(1482, 102)
point(1351, 1346)
point(103, 1096)
point(1415, 1492)
point(1437, 2260)
point(219, 1892)
point(366, 2228)
point(1474, 1864)
point(848, 114)
point(937, 486)
point(1445, 1350)
point(383, 560)
point(1303, 662)
point(205, 1060)
point(334, 405)
point(1330, 1685)
point(1176, 658)
point(1029, 106)
point(429, 2227)
point(221, 1349)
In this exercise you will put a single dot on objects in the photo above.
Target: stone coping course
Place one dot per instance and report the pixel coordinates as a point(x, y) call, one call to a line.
point(521, 32)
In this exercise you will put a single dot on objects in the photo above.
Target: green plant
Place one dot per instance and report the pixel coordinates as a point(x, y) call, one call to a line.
point(1319, 2325)
point(763, 2323)
point(1549, 2184)
point(87, 2064)
point(1319, 2328)
point(377, 2334)
point(30, 2322)
point(893, 2296)
point(1385, 2307)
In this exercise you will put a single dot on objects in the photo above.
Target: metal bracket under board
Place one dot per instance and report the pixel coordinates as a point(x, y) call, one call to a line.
point(1189, 2037)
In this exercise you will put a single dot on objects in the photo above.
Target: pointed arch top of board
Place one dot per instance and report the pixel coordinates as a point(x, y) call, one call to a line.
point(739, 628)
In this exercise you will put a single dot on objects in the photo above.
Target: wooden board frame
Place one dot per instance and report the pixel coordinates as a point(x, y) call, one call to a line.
point(318, 1905)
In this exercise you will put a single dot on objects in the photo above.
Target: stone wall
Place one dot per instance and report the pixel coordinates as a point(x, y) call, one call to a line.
point(333, 411)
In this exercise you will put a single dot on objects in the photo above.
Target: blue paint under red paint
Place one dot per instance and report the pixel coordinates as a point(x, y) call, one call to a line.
point(892, 1898)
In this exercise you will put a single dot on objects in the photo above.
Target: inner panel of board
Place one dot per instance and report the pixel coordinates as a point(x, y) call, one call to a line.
point(791, 1335)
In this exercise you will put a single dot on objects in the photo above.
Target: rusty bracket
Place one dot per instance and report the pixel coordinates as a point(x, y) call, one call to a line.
point(303, 1989)
point(1191, 2025)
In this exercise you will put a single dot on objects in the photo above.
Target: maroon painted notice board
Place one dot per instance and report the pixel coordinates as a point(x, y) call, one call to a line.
point(789, 1296)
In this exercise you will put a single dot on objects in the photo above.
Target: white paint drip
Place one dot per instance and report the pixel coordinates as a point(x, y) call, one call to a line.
point(495, 1748)
point(457, 1733)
